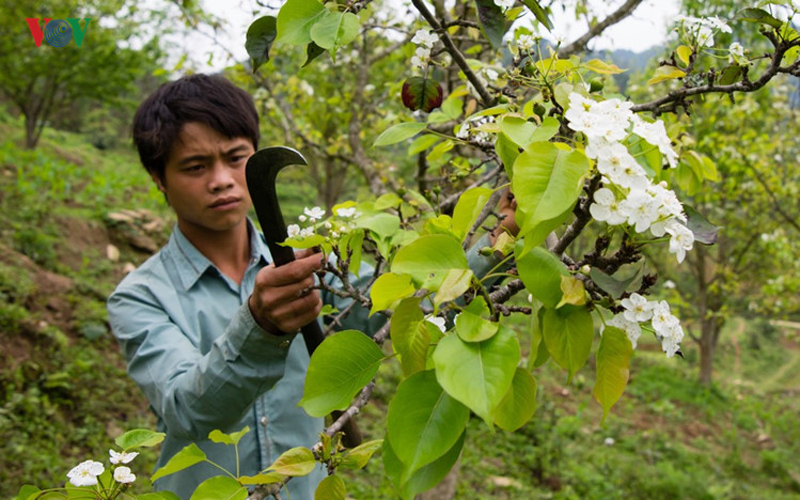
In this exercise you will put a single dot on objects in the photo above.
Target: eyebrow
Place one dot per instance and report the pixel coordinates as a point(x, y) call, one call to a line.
point(200, 158)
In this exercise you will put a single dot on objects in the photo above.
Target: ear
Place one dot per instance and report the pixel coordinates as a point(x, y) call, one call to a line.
point(159, 182)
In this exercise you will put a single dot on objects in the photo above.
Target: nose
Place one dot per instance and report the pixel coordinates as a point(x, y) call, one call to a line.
point(221, 178)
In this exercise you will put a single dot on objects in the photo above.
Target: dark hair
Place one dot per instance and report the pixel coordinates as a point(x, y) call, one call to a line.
point(208, 99)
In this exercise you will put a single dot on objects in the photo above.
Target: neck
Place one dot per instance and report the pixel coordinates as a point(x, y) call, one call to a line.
point(229, 250)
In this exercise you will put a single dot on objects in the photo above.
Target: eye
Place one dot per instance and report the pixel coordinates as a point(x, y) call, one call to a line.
point(193, 168)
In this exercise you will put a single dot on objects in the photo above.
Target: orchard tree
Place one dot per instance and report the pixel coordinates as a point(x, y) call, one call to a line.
point(41, 81)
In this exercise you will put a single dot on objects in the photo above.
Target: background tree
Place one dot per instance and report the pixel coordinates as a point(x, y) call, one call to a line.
point(43, 82)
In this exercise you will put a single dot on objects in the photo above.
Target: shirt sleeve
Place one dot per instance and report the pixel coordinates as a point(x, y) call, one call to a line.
point(194, 393)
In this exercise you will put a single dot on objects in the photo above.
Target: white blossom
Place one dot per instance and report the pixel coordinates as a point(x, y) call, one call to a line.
point(631, 328)
point(641, 210)
point(123, 457)
point(737, 54)
point(314, 213)
point(293, 231)
point(682, 239)
point(667, 327)
point(504, 4)
point(85, 473)
point(302, 218)
point(124, 475)
point(439, 322)
point(609, 441)
point(346, 212)
point(425, 38)
point(306, 232)
point(655, 134)
point(637, 308)
point(606, 208)
point(526, 43)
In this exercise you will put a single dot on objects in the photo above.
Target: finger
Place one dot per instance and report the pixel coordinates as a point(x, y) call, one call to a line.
point(291, 316)
point(294, 271)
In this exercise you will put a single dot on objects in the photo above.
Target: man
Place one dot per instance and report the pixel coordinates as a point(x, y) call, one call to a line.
point(203, 323)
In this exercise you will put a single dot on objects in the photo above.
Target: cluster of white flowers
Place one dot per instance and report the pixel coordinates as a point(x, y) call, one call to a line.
point(424, 39)
point(312, 215)
point(629, 196)
point(526, 43)
point(639, 310)
point(86, 472)
point(469, 128)
point(702, 29)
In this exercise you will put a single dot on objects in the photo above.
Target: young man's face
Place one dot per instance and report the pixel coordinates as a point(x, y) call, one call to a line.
point(204, 180)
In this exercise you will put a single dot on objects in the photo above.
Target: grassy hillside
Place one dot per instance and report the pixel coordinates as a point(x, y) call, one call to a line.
point(73, 219)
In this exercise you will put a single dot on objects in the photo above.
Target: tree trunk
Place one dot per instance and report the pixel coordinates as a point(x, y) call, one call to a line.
point(32, 133)
point(706, 355)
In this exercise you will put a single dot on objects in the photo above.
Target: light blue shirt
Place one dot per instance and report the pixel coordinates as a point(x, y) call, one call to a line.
point(192, 345)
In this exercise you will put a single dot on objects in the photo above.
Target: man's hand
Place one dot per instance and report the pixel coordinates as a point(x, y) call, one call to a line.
point(506, 206)
point(283, 300)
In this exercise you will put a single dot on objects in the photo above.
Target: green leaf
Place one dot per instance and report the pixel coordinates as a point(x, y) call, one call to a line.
point(568, 334)
point(423, 422)
point(541, 15)
point(455, 283)
point(410, 335)
point(519, 403)
point(335, 30)
point(613, 360)
point(313, 51)
point(399, 132)
point(547, 182)
point(424, 478)
point(429, 259)
point(340, 367)
point(471, 325)
point(26, 492)
point(478, 374)
point(268, 478)
point(518, 129)
point(422, 92)
point(358, 457)
point(388, 289)
point(139, 438)
point(508, 152)
point(602, 67)
point(184, 459)
point(159, 495)
point(541, 271)
point(382, 225)
point(293, 462)
point(759, 16)
point(622, 281)
point(296, 18)
point(304, 242)
point(219, 488)
point(260, 35)
point(730, 74)
point(492, 21)
point(469, 206)
point(704, 231)
point(331, 488)
point(422, 143)
point(217, 436)
point(665, 73)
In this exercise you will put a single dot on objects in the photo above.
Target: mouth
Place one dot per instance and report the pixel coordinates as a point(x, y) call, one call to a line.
point(225, 203)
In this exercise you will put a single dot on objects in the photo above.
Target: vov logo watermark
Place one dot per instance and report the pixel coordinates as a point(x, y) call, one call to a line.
point(58, 32)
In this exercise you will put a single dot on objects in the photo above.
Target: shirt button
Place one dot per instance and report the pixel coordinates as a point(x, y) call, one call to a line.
point(285, 343)
point(264, 421)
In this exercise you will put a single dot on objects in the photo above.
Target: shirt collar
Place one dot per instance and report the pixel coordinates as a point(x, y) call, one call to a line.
point(192, 264)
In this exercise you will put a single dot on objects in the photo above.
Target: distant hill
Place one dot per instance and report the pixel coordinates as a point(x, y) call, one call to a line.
point(628, 59)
